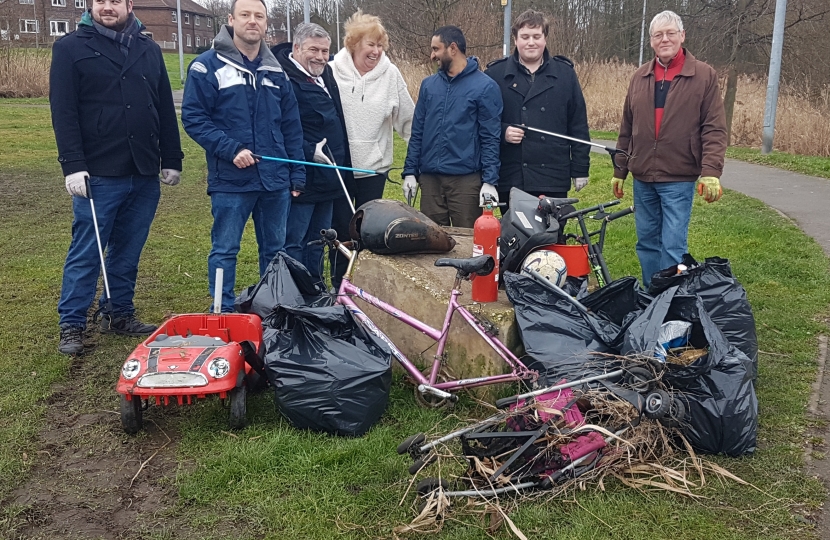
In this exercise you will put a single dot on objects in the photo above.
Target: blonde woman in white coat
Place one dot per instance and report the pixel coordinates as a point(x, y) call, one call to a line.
point(375, 102)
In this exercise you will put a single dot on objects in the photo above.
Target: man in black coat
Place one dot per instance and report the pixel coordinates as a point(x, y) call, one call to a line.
point(543, 92)
point(115, 127)
point(324, 140)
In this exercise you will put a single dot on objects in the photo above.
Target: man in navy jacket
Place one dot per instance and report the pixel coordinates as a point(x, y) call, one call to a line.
point(324, 131)
point(238, 102)
point(454, 148)
point(115, 126)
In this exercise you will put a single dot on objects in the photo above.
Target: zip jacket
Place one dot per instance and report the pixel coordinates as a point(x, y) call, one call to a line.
point(457, 126)
point(228, 108)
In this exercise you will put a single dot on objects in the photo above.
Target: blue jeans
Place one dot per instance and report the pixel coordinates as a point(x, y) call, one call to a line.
point(125, 207)
point(662, 220)
point(306, 221)
point(230, 214)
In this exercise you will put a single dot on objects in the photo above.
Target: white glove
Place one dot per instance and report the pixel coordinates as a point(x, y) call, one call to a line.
point(171, 177)
point(409, 187)
point(488, 189)
point(580, 183)
point(319, 156)
point(76, 184)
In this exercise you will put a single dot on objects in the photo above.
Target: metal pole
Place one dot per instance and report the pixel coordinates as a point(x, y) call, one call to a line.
point(508, 8)
point(181, 39)
point(37, 25)
point(337, 8)
point(288, 20)
point(774, 75)
point(307, 11)
point(642, 33)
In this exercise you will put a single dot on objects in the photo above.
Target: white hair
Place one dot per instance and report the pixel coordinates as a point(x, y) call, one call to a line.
point(665, 18)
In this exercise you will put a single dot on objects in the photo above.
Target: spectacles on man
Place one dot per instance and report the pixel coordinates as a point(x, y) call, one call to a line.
point(659, 35)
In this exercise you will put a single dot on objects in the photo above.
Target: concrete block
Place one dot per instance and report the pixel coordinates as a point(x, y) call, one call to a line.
point(413, 284)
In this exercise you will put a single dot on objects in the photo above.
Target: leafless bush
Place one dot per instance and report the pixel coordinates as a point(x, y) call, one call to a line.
point(24, 73)
point(802, 124)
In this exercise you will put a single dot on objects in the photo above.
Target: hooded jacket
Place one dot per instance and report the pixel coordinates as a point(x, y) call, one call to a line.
point(321, 116)
point(374, 105)
point(113, 115)
point(457, 126)
point(553, 102)
point(216, 113)
point(692, 137)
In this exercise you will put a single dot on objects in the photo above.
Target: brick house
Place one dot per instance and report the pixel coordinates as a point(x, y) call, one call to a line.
point(41, 22)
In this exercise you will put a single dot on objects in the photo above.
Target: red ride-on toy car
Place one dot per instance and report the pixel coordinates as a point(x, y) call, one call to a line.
point(193, 356)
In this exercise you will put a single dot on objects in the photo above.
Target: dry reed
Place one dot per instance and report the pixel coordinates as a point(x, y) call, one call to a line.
point(24, 73)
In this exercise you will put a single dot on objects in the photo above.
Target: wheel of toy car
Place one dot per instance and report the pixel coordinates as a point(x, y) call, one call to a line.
point(428, 485)
point(411, 441)
point(419, 464)
point(676, 415)
point(238, 407)
point(131, 414)
point(658, 404)
point(639, 379)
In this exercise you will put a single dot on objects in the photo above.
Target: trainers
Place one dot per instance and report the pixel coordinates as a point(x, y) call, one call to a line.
point(126, 325)
point(72, 340)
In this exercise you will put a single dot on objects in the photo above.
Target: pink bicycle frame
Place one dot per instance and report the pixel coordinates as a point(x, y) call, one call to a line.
point(347, 290)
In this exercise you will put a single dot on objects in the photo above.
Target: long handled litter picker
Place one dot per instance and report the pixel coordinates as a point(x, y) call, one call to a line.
point(619, 157)
point(107, 308)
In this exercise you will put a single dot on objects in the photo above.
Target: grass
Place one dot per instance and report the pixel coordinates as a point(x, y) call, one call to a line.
point(171, 60)
point(809, 165)
point(273, 481)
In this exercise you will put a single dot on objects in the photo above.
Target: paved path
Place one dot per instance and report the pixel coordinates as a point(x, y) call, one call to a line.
point(803, 199)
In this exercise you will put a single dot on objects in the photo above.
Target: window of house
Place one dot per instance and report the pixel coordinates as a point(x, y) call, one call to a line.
point(80, 4)
point(173, 16)
point(187, 18)
point(175, 37)
point(208, 22)
point(58, 28)
point(59, 3)
point(26, 1)
point(188, 40)
point(197, 20)
point(198, 41)
point(148, 34)
point(28, 26)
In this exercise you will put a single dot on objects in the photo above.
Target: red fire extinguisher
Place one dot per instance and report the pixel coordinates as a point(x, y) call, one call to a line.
point(486, 232)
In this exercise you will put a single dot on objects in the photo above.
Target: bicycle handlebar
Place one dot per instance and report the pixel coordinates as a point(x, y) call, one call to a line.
point(621, 213)
point(584, 211)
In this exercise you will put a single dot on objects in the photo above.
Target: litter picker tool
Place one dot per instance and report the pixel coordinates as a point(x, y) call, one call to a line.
point(314, 164)
point(330, 159)
point(107, 309)
point(619, 157)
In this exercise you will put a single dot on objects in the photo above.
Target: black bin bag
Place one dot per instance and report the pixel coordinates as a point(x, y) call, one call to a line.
point(717, 388)
point(329, 374)
point(722, 294)
point(286, 283)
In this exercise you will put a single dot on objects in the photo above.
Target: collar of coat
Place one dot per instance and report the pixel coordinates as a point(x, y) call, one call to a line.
point(515, 66)
point(223, 45)
point(688, 66)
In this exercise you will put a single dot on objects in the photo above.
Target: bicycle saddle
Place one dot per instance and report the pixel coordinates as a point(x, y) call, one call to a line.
point(481, 265)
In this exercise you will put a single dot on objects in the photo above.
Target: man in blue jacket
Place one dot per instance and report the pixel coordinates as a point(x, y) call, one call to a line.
point(454, 148)
point(238, 102)
point(324, 131)
point(115, 126)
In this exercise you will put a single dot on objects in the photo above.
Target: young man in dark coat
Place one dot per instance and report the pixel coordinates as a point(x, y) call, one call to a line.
point(324, 131)
point(543, 92)
point(115, 127)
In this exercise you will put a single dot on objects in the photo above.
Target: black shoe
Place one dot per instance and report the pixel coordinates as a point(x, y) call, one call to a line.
point(72, 340)
point(127, 325)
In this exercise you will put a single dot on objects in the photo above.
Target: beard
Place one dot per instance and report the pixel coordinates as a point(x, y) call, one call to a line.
point(444, 64)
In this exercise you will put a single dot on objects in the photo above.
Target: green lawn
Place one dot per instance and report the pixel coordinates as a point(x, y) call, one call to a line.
point(272, 481)
point(171, 60)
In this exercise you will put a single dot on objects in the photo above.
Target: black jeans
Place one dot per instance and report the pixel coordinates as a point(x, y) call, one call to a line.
point(366, 189)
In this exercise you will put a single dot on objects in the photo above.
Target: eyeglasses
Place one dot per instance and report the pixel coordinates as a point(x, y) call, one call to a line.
point(659, 36)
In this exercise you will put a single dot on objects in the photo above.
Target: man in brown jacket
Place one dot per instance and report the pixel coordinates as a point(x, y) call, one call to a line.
point(674, 128)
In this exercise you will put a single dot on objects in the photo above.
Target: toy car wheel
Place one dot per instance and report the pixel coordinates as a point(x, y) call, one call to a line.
point(428, 485)
point(658, 404)
point(132, 419)
point(639, 379)
point(676, 414)
point(409, 442)
point(419, 464)
point(238, 407)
